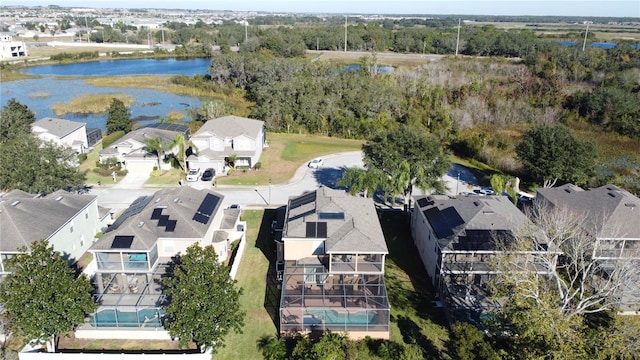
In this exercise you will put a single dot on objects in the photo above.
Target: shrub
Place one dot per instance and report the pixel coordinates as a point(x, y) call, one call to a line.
point(82, 157)
point(258, 165)
point(111, 138)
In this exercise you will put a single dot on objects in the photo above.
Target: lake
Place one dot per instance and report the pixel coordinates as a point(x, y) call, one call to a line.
point(40, 94)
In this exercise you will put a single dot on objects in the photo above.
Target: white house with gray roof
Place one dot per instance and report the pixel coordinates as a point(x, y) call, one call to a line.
point(334, 254)
point(612, 217)
point(131, 148)
point(456, 238)
point(65, 220)
point(135, 251)
point(220, 138)
point(69, 133)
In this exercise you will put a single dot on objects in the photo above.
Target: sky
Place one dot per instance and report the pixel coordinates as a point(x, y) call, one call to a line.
point(607, 8)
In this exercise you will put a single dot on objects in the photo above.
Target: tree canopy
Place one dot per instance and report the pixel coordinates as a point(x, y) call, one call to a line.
point(32, 165)
point(43, 296)
point(15, 119)
point(204, 301)
point(408, 158)
point(552, 153)
point(119, 117)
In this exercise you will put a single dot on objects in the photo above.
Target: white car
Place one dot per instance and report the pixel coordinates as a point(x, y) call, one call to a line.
point(193, 174)
point(316, 163)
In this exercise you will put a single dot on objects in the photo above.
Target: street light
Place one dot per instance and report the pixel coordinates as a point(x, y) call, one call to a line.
point(457, 183)
point(269, 191)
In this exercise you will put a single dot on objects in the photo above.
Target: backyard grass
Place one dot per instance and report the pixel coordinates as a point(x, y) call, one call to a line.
point(413, 319)
point(90, 104)
point(260, 298)
point(285, 154)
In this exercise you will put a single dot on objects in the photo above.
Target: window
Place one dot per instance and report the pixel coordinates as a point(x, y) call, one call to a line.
point(86, 215)
point(71, 228)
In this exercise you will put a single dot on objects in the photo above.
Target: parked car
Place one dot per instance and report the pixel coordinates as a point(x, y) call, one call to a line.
point(208, 174)
point(234, 206)
point(316, 163)
point(193, 174)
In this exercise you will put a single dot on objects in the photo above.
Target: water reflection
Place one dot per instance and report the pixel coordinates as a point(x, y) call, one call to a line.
point(149, 106)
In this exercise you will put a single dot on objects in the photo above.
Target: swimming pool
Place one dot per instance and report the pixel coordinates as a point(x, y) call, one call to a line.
point(148, 317)
point(332, 317)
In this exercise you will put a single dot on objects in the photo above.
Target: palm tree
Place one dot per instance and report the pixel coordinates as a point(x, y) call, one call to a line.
point(154, 146)
point(356, 179)
point(182, 143)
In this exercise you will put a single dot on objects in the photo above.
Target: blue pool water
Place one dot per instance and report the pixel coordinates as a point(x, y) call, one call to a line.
point(332, 317)
point(117, 318)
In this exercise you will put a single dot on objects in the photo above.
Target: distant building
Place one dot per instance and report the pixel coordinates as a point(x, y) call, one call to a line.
point(11, 49)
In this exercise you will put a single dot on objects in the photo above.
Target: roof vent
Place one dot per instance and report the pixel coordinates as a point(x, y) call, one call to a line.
point(140, 224)
point(568, 191)
point(15, 203)
point(476, 203)
point(488, 212)
point(612, 194)
point(176, 200)
point(158, 200)
point(59, 198)
point(630, 205)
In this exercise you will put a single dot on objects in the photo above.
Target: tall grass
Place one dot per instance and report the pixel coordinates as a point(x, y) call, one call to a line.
point(90, 104)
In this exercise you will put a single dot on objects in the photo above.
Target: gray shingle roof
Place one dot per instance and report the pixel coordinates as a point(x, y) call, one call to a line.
point(25, 218)
point(180, 204)
point(610, 211)
point(357, 229)
point(231, 126)
point(470, 222)
point(58, 127)
point(140, 135)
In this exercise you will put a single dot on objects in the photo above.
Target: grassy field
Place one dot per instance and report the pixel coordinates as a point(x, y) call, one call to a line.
point(285, 154)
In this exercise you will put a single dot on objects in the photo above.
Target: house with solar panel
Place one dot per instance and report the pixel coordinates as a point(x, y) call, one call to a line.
point(456, 238)
point(220, 138)
point(333, 278)
point(135, 251)
point(611, 217)
point(131, 149)
point(67, 221)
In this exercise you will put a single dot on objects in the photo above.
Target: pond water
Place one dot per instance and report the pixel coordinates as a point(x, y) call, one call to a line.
point(149, 105)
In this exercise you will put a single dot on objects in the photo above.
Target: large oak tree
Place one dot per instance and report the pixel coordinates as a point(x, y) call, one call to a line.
point(43, 295)
point(408, 157)
point(204, 300)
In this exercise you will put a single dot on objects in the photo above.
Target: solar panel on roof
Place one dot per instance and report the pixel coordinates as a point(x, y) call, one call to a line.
point(304, 199)
point(203, 219)
point(171, 225)
point(322, 230)
point(423, 202)
point(163, 220)
point(311, 230)
point(122, 242)
point(438, 223)
point(156, 213)
point(208, 205)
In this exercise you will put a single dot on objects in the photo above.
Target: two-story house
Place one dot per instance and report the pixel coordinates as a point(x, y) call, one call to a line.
point(456, 238)
point(611, 216)
point(219, 139)
point(69, 133)
point(135, 251)
point(334, 254)
point(67, 221)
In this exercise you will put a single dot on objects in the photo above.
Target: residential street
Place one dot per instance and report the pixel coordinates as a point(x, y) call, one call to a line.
point(118, 197)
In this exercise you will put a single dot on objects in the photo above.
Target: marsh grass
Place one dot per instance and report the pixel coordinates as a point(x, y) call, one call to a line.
point(39, 95)
point(90, 104)
point(163, 83)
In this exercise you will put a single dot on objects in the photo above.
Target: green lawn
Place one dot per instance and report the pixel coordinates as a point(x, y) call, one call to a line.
point(285, 154)
point(258, 300)
point(413, 318)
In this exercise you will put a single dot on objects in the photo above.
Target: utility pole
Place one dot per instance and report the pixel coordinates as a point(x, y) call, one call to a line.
point(584, 43)
point(86, 23)
point(162, 27)
point(458, 38)
point(345, 33)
